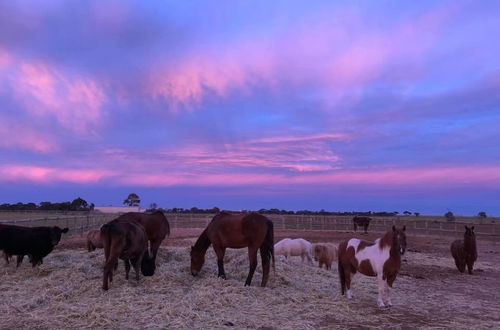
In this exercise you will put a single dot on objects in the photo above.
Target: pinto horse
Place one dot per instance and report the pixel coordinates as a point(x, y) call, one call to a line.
point(381, 259)
point(226, 230)
point(127, 241)
point(464, 251)
point(155, 224)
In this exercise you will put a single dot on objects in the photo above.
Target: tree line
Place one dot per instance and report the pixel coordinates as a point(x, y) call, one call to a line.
point(78, 204)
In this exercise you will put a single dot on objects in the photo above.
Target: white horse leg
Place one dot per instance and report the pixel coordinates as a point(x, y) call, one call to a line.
point(387, 294)
point(381, 290)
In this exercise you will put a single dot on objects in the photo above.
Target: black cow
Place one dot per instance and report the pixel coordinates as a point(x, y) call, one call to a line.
point(35, 242)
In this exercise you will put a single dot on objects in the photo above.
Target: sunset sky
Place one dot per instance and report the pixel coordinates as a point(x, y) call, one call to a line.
point(335, 105)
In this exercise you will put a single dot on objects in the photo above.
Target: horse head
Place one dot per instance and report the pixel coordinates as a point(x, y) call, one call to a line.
point(197, 260)
point(148, 266)
point(399, 239)
point(469, 232)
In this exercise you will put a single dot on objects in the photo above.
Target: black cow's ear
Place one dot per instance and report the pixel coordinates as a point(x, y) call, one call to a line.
point(466, 228)
point(65, 230)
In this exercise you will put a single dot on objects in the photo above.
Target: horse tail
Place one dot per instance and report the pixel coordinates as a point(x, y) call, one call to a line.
point(269, 242)
point(341, 250)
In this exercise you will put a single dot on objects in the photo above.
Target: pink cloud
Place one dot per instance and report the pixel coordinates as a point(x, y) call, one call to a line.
point(323, 50)
point(39, 174)
point(45, 91)
point(21, 136)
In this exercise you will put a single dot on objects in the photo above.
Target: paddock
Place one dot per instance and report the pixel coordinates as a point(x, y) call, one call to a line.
point(65, 292)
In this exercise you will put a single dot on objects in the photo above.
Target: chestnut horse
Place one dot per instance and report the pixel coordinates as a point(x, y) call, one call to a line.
point(251, 230)
point(381, 259)
point(464, 251)
point(127, 241)
point(155, 224)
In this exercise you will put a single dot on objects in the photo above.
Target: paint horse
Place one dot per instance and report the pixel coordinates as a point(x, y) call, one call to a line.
point(381, 259)
point(464, 251)
point(361, 222)
point(251, 230)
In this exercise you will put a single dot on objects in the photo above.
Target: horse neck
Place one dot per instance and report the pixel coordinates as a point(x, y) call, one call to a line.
point(203, 242)
point(470, 244)
point(387, 239)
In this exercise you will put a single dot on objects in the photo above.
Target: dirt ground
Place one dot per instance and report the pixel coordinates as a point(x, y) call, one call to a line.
point(428, 293)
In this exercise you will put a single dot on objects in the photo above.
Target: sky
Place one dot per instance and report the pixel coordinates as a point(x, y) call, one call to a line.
point(335, 105)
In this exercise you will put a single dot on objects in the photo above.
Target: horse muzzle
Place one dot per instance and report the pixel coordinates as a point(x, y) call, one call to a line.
point(194, 273)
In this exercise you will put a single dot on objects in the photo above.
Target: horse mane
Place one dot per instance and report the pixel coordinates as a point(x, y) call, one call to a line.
point(203, 242)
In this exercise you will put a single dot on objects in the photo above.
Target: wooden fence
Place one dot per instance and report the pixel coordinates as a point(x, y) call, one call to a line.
point(415, 225)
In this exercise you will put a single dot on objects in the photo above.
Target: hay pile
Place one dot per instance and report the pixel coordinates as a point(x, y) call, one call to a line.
point(66, 293)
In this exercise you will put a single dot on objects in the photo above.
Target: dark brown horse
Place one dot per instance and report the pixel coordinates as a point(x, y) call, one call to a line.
point(381, 259)
point(464, 251)
point(251, 230)
point(362, 222)
point(155, 224)
point(127, 241)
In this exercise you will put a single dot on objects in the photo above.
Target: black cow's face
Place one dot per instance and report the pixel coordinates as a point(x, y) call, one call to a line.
point(55, 234)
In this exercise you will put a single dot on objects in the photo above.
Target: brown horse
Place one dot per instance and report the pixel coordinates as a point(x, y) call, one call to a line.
point(362, 222)
point(464, 251)
point(251, 230)
point(127, 241)
point(94, 240)
point(155, 224)
point(381, 259)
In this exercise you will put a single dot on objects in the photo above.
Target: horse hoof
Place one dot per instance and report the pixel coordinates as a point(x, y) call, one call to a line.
point(380, 304)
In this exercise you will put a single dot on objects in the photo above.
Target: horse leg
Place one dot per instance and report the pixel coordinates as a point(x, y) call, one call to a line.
point(252, 256)
point(470, 266)
point(127, 268)
point(460, 265)
point(381, 290)
point(219, 251)
point(266, 264)
point(108, 272)
point(348, 278)
point(154, 249)
point(19, 260)
point(136, 263)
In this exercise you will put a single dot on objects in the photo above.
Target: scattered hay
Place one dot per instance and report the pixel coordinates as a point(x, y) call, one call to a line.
point(65, 292)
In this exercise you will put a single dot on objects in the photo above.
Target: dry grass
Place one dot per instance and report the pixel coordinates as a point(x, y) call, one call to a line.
point(65, 292)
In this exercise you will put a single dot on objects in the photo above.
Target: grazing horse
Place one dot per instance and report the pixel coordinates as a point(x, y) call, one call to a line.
point(381, 259)
point(155, 224)
point(294, 247)
point(464, 251)
point(362, 222)
point(127, 241)
point(94, 240)
point(226, 230)
point(324, 254)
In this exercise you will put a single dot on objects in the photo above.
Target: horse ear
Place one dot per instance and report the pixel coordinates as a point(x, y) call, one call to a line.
point(466, 228)
point(393, 228)
point(404, 227)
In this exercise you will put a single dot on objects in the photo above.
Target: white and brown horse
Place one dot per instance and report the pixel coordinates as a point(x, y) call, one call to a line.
point(381, 259)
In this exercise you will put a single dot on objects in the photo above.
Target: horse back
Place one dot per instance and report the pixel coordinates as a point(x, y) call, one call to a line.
point(125, 239)
point(156, 224)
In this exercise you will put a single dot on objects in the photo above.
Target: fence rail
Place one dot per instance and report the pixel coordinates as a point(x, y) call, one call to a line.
point(417, 225)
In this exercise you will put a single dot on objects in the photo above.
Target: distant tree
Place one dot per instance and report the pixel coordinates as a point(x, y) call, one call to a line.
point(214, 209)
point(482, 214)
point(79, 204)
point(406, 212)
point(417, 214)
point(132, 200)
point(449, 216)
point(91, 207)
point(395, 212)
point(153, 206)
